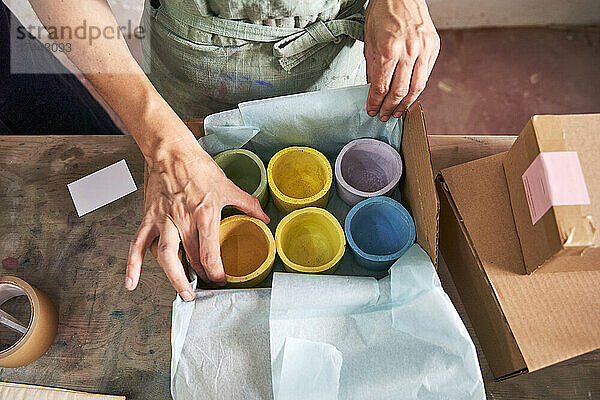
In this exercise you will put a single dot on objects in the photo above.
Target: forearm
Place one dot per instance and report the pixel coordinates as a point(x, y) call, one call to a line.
point(108, 64)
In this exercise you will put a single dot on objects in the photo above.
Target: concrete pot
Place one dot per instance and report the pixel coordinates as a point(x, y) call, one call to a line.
point(247, 250)
point(247, 171)
point(310, 240)
point(366, 168)
point(379, 230)
point(299, 177)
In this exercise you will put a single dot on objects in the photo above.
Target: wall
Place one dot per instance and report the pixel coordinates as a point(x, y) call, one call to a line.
point(446, 13)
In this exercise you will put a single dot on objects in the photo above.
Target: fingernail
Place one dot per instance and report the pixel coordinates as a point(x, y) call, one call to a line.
point(372, 113)
point(222, 283)
point(129, 283)
point(384, 118)
point(187, 296)
point(397, 115)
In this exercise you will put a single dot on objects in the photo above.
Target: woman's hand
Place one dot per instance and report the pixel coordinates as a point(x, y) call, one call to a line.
point(401, 46)
point(186, 189)
point(185, 193)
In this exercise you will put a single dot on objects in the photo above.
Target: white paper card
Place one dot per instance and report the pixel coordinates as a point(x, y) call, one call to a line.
point(101, 187)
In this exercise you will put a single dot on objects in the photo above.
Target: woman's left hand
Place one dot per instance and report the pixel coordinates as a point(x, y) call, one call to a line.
point(401, 46)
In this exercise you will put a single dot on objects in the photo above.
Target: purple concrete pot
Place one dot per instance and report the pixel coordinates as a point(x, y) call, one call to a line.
point(366, 168)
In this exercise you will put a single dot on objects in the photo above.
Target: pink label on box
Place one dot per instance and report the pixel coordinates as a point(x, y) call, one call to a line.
point(554, 179)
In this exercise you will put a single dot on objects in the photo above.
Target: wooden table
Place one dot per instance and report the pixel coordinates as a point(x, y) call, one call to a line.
point(117, 342)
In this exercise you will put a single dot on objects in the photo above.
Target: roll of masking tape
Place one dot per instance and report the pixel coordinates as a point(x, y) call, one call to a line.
point(38, 334)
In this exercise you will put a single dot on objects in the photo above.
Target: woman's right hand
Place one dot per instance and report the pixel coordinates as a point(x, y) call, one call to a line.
point(185, 193)
point(186, 190)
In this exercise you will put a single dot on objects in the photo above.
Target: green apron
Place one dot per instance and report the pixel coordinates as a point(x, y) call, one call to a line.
point(205, 56)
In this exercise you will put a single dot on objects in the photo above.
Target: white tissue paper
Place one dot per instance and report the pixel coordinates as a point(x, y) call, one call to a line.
point(325, 120)
point(396, 338)
point(317, 337)
point(330, 337)
point(223, 350)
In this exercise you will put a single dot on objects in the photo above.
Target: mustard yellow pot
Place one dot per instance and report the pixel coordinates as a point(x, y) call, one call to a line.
point(310, 240)
point(247, 250)
point(299, 177)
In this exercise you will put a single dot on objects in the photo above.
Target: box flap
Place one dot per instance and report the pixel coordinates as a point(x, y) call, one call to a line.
point(564, 230)
point(418, 183)
point(477, 294)
point(552, 317)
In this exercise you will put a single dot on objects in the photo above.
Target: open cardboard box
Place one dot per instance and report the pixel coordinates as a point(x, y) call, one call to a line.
point(523, 322)
point(417, 186)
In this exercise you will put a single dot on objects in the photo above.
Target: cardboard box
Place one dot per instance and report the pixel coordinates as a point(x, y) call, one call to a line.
point(553, 177)
point(523, 322)
point(417, 185)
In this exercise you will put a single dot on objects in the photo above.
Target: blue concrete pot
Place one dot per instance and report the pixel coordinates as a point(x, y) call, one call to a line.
point(379, 230)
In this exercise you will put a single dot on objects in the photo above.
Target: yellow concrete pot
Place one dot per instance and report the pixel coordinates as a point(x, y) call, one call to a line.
point(310, 240)
point(299, 177)
point(247, 250)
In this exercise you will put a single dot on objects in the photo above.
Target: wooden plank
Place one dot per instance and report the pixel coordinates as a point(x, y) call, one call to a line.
point(21, 391)
point(116, 342)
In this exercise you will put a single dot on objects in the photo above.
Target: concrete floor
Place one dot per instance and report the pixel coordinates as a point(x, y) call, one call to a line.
point(491, 81)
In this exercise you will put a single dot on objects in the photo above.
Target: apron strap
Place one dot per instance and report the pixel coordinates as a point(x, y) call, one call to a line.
point(294, 49)
point(292, 45)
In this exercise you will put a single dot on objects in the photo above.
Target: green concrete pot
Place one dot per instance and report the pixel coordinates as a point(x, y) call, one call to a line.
point(247, 171)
